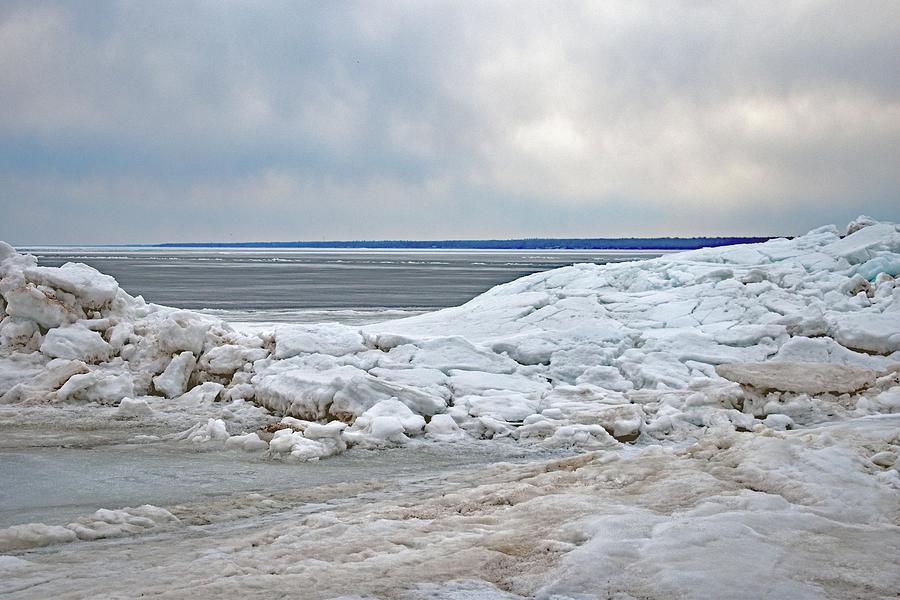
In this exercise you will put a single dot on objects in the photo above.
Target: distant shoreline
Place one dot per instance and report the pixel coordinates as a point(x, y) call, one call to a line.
point(673, 243)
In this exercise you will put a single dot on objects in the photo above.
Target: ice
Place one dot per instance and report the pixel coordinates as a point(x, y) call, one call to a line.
point(45, 308)
point(183, 331)
point(228, 358)
point(173, 381)
point(878, 334)
point(16, 332)
point(501, 406)
point(312, 392)
point(328, 338)
point(692, 522)
point(92, 288)
point(737, 407)
point(808, 378)
point(410, 423)
point(104, 386)
point(296, 446)
point(107, 523)
point(452, 354)
point(104, 523)
point(443, 427)
point(213, 430)
point(249, 442)
point(133, 407)
point(826, 350)
point(40, 384)
point(201, 394)
point(864, 243)
point(76, 342)
point(32, 535)
point(885, 459)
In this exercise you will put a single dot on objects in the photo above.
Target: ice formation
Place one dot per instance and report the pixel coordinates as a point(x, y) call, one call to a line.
point(584, 356)
point(719, 387)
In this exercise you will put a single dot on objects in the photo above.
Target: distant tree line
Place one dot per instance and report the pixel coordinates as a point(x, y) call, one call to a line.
point(666, 243)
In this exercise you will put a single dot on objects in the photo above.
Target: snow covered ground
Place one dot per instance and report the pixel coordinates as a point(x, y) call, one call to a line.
point(731, 419)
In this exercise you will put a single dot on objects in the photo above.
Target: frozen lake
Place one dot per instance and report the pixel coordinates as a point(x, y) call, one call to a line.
point(348, 286)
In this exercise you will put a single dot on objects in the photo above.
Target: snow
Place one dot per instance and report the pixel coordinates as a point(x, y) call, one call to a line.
point(736, 409)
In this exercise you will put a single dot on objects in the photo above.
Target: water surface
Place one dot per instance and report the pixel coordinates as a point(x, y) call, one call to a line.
point(351, 286)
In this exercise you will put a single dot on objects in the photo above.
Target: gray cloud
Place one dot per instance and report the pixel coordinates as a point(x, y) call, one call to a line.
point(184, 121)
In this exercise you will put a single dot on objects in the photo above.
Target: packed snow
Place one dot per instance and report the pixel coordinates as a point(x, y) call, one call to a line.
point(739, 409)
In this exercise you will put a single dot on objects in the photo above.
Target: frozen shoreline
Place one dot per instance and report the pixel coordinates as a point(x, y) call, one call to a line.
point(740, 405)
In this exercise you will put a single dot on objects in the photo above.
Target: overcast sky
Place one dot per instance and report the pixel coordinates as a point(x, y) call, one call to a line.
point(187, 121)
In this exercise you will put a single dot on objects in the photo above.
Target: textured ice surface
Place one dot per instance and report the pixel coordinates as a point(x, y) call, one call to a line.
point(740, 402)
point(810, 509)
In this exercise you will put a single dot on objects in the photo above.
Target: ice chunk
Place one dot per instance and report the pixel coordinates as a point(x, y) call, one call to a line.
point(879, 333)
point(76, 342)
point(885, 264)
point(250, 442)
point(609, 378)
point(809, 378)
point(389, 421)
point(860, 222)
point(343, 392)
point(201, 394)
point(183, 331)
point(504, 407)
point(298, 447)
point(475, 382)
point(826, 350)
point(42, 384)
point(228, 358)
point(318, 431)
point(16, 331)
point(455, 353)
point(443, 427)
point(213, 430)
point(884, 459)
point(41, 306)
point(99, 385)
point(133, 407)
point(32, 535)
point(861, 245)
point(106, 523)
point(173, 381)
point(410, 423)
point(890, 399)
point(327, 338)
point(92, 288)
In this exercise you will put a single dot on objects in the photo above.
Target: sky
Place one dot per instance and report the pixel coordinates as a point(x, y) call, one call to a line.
point(262, 120)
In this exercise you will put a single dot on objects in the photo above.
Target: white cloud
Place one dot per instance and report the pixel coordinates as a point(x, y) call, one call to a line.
point(506, 112)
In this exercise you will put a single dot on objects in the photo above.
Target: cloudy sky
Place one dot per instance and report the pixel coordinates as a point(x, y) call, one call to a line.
point(263, 120)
